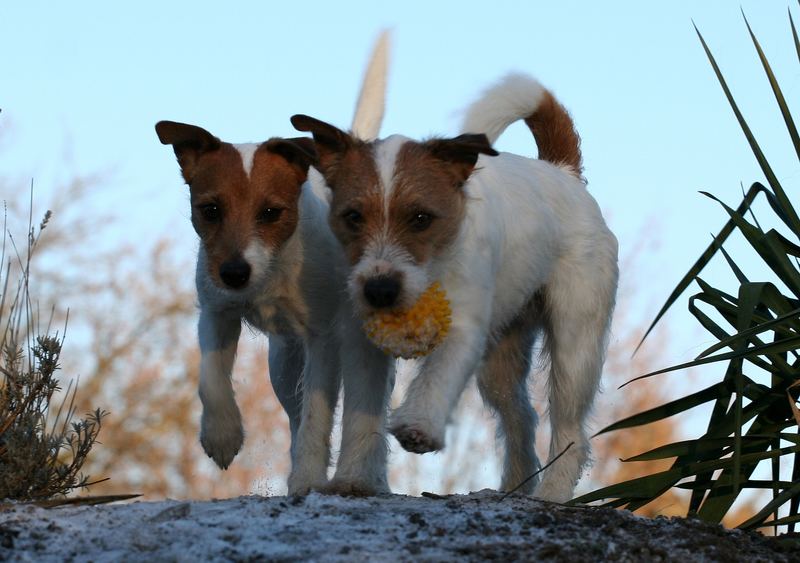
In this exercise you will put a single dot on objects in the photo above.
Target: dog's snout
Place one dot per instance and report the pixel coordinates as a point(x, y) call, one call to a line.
point(235, 273)
point(382, 291)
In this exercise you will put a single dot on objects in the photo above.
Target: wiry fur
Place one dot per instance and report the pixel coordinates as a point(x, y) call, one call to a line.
point(296, 278)
point(522, 251)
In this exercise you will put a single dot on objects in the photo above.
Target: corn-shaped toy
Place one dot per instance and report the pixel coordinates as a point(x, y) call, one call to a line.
point(414, 332)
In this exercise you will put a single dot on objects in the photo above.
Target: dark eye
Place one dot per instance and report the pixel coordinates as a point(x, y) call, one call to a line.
point(270, 214)
point(353, 220)
point(420, 221)
point(211, 212)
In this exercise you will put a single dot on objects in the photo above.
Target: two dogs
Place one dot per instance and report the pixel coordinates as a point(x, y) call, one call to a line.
point(518, 244)
point(267, 259)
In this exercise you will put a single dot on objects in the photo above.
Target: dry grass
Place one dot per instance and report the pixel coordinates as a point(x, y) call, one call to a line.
point(42, 447)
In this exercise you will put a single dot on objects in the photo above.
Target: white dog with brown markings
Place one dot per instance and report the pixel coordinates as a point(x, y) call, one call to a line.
point(268, 259)
point(519, 246)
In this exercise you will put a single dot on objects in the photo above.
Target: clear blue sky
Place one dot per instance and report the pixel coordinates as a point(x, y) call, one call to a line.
point(83, 83)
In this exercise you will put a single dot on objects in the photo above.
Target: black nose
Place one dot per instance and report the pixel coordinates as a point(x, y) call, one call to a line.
point(382, 291)
point(235, 273)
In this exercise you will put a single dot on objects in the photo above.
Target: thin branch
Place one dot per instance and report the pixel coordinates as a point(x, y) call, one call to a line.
point(549, 463)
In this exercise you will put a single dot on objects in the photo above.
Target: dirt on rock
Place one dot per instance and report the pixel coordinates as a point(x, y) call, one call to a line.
point(481, 526)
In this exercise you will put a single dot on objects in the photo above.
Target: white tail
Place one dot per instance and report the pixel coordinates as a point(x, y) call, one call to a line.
point(521, 97)
point(513, 98)
point(371, 100)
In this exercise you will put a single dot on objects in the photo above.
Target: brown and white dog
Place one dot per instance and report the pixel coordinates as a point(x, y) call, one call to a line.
point(267, 258)
point(520, 248)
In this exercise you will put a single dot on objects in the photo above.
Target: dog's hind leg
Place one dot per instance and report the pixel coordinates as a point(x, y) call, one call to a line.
point(578, 311)
point(311, 449)
point(502, 381)
point(286, 361)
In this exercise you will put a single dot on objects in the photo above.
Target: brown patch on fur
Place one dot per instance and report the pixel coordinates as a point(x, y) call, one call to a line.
point(354, 181)
point(348, 165)
point(331, 143)
point(275, 183)
point(427, 180)
point(426, 184)
point(218, 178)
point(555, 134)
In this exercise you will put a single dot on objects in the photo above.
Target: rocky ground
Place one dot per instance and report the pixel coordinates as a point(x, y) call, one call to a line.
point(476, 527)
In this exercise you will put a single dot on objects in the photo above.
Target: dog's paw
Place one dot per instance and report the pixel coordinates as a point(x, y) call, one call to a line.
point(301, 490)
point(301, 484)
point(415, 439)
point(353, 488)
point(417, 429)
point(222, 437)
point(553, 490)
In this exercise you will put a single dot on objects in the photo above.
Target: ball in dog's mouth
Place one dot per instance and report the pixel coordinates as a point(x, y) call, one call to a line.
point(413, 332)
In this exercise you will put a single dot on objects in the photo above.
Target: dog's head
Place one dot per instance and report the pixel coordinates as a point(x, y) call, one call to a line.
point(396, 205)
point(244, 200)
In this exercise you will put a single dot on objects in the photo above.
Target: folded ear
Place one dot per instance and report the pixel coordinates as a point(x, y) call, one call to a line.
point(189, 143)
point(331, 142)
point(298, 151)
point(462, 149)
point(462, 152)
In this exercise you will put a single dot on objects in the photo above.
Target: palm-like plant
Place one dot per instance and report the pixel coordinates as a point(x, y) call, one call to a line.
point(758, 331)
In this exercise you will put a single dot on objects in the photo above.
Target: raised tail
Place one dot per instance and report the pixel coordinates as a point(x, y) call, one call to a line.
point(518, 97)
point(371, 100)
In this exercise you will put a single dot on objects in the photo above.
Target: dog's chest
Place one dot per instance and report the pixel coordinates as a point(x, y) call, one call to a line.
point(285, 314)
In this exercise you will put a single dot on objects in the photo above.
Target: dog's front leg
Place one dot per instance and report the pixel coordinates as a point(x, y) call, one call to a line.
point(419, 423)
point(311, 450)
point(221, 432)
point(368, 376)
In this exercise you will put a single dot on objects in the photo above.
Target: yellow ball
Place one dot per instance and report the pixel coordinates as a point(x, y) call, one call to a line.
point(413, 332)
